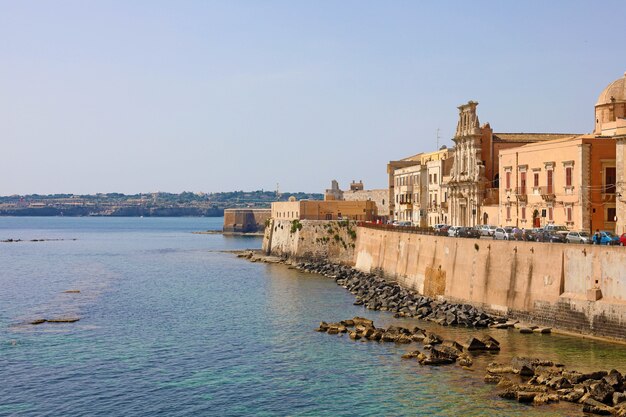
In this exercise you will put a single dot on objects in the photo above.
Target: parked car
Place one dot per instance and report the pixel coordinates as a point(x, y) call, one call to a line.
point(557, 228)
point(622, 239)
point(468, 232)
point(552, 237)
point(605, 238)
point(578, 237)
point(503, 233)
point(453, 231)
point(486, 230)
point(442, 230)
point(404, 224)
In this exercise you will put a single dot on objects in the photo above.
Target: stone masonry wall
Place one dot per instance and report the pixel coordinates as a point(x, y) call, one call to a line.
point(312, 239)
point(549, 284)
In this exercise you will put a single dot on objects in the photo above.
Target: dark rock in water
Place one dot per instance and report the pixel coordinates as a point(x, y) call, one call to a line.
point(491, 344)
point(615, 379)
point(499, 368)
point(432, 339)
point(354, 335)
point(602, 392)
point(619, 397)
point(597, 375)
point(595, 407)
point(347, 323)
point(38, 321)
point(453, 344)
point(492, 379)
point(474, 344)
point(526, 396)
point(63, 320)
point(523, 366)
point(411, 355)
point(571, 395)
point(448, 352)
point(464, 360)
point(363, 321)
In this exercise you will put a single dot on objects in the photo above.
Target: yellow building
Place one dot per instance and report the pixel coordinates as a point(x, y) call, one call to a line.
point(324, 210)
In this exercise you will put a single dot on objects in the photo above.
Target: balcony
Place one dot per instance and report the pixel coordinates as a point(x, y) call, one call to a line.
point(520, 193)
point(547, 192)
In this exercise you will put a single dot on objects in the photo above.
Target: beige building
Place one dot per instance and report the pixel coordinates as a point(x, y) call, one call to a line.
point(415, 189)
point(568, 182)
point(473, 186)
point(324, 210)
point(357, 192)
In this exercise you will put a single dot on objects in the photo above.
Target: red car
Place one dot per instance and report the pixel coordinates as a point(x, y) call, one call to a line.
point(622, 239)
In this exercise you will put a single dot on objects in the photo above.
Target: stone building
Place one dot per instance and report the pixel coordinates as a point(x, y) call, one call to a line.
point(245, 220)
point(569, 181)
point(473, 186)
point(324, 210)
point(415, 187)
point(610, 112)
point(357, 192)
point(578, 181)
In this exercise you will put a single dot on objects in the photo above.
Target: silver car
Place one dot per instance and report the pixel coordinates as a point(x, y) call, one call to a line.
point(578, 237)
point(503, 233)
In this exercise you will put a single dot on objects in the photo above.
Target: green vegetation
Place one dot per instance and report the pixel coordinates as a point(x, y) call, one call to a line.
point(295, 226)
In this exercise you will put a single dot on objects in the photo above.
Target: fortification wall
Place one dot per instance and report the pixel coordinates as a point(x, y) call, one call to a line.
point(550, 284)
point(311, 239)
point(242, 220)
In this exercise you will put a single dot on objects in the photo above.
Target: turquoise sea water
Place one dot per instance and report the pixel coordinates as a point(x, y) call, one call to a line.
point(171, 326)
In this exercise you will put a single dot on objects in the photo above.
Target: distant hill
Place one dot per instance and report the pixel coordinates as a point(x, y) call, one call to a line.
point(148, 204)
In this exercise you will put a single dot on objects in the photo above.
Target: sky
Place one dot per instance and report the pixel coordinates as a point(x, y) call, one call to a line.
point(207, 96)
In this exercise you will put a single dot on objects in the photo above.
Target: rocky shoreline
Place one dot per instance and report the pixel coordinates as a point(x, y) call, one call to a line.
point(526, 380)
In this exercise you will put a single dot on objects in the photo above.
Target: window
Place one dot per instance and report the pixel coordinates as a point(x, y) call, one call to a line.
point(523, 212)
point(508, 212)
point(549, 182)
point(550, 213)
point(610, 214)
point(508, 180)
point(609, 180)
point(568, 212)
point(536, 179)
point(522, 176)
point(435, 178)
point(568, 176)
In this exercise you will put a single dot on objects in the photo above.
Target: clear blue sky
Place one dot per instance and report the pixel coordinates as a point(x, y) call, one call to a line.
point(141, 96)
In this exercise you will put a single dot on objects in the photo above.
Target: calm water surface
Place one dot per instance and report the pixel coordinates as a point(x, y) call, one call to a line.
point(171, 326)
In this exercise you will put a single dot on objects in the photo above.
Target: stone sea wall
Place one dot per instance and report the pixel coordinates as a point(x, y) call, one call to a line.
point(330, 240)
point(571, 287)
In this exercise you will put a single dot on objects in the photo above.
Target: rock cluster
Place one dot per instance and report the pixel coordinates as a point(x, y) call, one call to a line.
point(440, 352)
point(599, 392)
point(375, 293)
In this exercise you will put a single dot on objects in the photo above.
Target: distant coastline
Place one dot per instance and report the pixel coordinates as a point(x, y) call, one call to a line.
point(185, 204)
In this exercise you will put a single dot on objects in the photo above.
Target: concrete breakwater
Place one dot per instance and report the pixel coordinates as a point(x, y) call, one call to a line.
point(575, 288)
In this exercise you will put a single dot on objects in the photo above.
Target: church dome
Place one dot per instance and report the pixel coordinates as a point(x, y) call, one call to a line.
point(617, 90)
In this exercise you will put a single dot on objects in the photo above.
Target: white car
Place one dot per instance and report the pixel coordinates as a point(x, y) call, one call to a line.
point(487, 230)
point(503, 233)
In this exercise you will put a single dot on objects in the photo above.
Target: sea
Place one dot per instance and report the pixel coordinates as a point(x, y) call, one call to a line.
point(172, 323)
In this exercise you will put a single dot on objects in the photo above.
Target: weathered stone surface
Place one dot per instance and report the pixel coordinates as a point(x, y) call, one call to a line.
point(618, 398)
point(473, 344)
point(499, 368)
point(492, 379)
point(523, 366)
point(595, 407)
point(602, 392)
